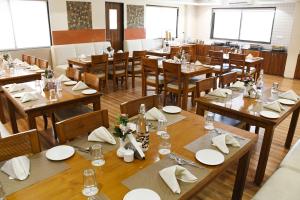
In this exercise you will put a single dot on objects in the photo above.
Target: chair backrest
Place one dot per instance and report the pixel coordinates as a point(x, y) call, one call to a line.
point(25, 58)
point(150, 68)
point(120, 61)
point(80, 125)
point(228, 78)
point(190, 50)
point(204, 59)
point(92, 80)
point(237, 61)
point(216, 58)
point(73, 73)
point(172, 74)
point(19, 144)
point(174, 51)
point(137, 57)
point(254, 53)
point(131, 108)
point(100, 63)
point(205, 85)
point(32, 60)
point(43, 64)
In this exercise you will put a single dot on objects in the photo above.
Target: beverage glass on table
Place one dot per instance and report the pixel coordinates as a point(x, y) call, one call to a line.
point(97, 155)
point(274, 90)
point(209, 120)
point(165, 144)
point(52, 95)
point(90, 186)
point(161, 126)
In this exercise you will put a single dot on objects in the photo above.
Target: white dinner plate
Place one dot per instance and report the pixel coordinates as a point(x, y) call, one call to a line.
point(171, 109)
point(210, 157)
point(141, 193)
point(61, 152)
point(89, 91)
point(269, 114)
point(286, 101)
point(69, 83)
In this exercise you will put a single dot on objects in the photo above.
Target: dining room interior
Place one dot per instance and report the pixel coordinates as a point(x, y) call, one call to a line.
point(149, 99)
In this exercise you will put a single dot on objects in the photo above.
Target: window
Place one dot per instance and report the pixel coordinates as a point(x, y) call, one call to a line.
point(25, 24)
point(243, 24)
point(159, 20)
point(113, 19)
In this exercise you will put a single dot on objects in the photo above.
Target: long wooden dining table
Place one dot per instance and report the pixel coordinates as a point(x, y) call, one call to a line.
point(111, 176)
point(32, 109)
point(248, 110)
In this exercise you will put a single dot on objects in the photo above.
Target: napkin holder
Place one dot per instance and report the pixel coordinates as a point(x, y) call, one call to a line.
point(137, 149)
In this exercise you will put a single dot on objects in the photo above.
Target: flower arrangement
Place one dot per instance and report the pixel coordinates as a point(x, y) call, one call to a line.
point(122, 129)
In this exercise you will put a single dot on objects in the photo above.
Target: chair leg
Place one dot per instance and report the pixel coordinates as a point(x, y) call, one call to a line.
point(2, 116)
point(165, 97)
point(53, 125)
point(45, 121)
point(126, 81)
point(114, 83)
point(179, 100)
point(133, 80)
point(256, 129)
point(193, 99)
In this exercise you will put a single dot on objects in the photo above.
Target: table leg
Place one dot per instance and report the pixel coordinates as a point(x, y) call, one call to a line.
point(2, 116)
point(31, 122)
point(12, 116)
point(241, 176)
point(264, 154)
point(185, 93)
point(199, 110)
point(292, 128)
point(96, 105)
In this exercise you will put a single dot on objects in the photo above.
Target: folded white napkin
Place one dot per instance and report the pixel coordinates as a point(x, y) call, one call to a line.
point(171, 174)
point(101, 134)
point(220, 92)
point(275, 105)
point(222, 140)
point(63, 78)
point(15, 87)
point(82, 56)
point(249, 55)
point(120, 51)
point(80, 86)
point(17, 61)
point(155, 114)
point(238, 84)
point(28, 96)
point(17, 168)
point(290, 94)
point(198, 62)
point(34, 67)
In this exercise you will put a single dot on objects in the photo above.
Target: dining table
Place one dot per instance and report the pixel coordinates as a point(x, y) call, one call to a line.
point(66, 98)
point(116, 177)
point(248, 110)
point(159, 53)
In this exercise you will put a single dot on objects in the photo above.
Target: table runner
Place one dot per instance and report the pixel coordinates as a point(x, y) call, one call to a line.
point(38, 164)
point(141, 179)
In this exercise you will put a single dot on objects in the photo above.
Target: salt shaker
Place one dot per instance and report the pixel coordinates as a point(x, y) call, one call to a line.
point(128, 155)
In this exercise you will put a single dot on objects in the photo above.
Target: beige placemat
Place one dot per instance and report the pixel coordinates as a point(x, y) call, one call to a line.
point(149, 178)
point(40, 169)
point(205, 142)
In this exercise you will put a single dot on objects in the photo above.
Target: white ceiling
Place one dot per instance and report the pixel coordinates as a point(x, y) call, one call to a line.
point(231, 2)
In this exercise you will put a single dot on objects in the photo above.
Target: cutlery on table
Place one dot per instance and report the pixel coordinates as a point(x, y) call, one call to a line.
point(85, 150)
point(182, 161)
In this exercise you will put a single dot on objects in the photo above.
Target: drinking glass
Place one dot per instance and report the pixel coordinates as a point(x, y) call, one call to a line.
point(52, 95)
point(161, 126)
point(58, 86)
point(37, 85)
point(97, 155)
point(165, 144)
point(2, 193)
point(90, 186)
point(228, 101)
point(209, 120)
point(274, 90)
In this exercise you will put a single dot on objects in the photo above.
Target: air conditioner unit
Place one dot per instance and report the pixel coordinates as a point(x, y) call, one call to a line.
point(240, 2)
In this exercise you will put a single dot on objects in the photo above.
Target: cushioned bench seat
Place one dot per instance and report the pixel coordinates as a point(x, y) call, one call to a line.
point(292, 159)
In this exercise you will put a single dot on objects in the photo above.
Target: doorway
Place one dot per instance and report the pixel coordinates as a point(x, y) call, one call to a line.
point(114, 14)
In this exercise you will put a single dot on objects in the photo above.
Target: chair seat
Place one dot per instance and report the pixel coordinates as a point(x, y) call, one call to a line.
point(100, 75)
point(151, 79)
point(282, 185)
point(71, 112)
point(292, 159)
point(120, 71)
point(137, 68)
point(239, 71)
point(175, 86)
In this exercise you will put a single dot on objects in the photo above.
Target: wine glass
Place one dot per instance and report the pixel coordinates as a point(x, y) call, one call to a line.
point(90, 186)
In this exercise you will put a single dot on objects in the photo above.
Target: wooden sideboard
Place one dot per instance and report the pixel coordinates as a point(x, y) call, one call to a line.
point(274, 62)
point(297, 70)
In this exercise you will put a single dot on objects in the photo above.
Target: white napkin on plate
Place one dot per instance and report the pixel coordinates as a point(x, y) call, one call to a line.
point(155, 114)
point(171, 174)
point(101, 134)
point(290, 94)
point(80, 86)
point(63, 78)
point(222, 140)
point(17, 168)
point(249, 55)
point(28, 96)
point(15, 87)
point(220, 92)
point(34, 67)
point(238, 84)
point(198, 62)
point(275, 105)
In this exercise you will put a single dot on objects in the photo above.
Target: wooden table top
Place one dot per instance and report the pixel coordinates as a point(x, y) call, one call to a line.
point(247, 60)
point(246, 107)
point(66, 96)
point(69, 184)
point(18, 75)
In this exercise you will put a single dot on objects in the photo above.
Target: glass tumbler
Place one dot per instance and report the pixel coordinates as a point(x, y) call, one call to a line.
point(52, 95)
point(165, 144)
point(97, 155)
point(209, 120)
point(274, 90)
point(161, 126)
point(90, 186)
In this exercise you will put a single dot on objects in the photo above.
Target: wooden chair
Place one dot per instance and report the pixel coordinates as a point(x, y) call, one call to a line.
point(190, 51)
point(119, 69)
point(216, 59)
point(73, 73)
point(174, 51)
point(173, 82)
point(206, 85)
point(19, 144)
point(43, 64)
point(254, 53)
point(151, 76)
point(237, 64)
point(81, 125)
point(32, 60)
point(25, 58)
point(228, 78)
point(136, 66)
point(204, 59)
point(131, 108)
point(100, 68)
point(92, 80)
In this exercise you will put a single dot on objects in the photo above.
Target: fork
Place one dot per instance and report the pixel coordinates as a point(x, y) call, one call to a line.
point(182, 161)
